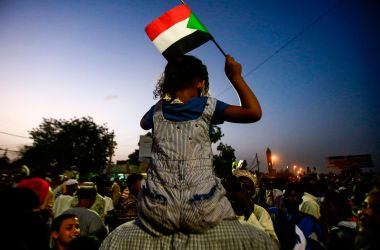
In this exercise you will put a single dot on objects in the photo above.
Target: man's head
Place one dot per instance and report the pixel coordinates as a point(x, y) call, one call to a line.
point(336, 207)
point(309, 185)
point(369, 216)
point(38, 185)
point(70, 187)
point(237, 194)
point(86, 195)
point(134, 183)
point(64, 229)
point(248, 181)
point(293, 196)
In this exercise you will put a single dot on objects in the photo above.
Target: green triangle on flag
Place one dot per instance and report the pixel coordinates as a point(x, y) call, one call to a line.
point(195, 23)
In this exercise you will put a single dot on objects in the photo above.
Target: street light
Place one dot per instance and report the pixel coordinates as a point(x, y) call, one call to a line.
point(274, 158)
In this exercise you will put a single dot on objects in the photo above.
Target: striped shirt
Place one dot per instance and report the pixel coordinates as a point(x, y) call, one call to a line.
point(227, 235)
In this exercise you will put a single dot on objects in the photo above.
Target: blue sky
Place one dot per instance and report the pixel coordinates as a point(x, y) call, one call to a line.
point(65, 59)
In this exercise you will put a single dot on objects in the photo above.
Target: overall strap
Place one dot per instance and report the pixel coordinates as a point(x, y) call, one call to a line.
point(157, 111)
point(209, 109)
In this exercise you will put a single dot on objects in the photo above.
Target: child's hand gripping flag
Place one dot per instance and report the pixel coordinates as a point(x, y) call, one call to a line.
point(177, 32)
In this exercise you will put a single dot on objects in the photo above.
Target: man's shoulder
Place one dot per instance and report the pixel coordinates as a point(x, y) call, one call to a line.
point(126, 202)
point(304, 217)
point(64, 198)
point(229, 234)
point(130, 198)
point(82, 211)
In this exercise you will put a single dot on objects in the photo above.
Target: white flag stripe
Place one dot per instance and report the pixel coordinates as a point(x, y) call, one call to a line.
point(172, 35)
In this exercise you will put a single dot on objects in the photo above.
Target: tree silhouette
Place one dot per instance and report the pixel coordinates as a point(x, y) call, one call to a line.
point(65, 144)
point(223, 161)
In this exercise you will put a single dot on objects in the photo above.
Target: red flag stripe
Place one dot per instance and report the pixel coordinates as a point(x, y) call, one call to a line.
point(171, 17)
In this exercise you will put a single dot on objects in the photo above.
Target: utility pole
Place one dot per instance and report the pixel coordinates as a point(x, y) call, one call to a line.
point(258, 164)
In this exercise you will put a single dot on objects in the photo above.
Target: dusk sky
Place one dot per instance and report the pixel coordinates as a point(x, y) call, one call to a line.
point(313, 65)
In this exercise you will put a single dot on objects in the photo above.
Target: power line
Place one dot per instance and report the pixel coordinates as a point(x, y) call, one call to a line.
point(306, 28)
point(8, 150)
point(14, 145)
point(20, 136)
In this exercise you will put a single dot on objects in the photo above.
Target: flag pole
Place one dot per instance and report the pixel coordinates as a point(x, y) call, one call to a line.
point(217, 45)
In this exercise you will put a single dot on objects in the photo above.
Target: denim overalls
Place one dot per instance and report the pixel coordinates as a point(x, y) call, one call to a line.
point(181, 192)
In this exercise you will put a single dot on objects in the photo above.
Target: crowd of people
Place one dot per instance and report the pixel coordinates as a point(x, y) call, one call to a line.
point(325, 211)
point(316, 211)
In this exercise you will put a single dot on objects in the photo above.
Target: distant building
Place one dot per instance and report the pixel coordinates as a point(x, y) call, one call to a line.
point(349, 162)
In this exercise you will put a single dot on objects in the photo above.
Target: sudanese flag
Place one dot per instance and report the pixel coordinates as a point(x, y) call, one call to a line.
point(177, 32)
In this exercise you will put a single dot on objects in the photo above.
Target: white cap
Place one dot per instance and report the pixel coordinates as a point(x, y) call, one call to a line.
point(71, 182)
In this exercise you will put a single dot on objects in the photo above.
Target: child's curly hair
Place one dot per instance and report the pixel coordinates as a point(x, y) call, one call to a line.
point(180, 73)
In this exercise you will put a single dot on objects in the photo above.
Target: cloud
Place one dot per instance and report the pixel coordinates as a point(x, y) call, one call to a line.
point(111, 97)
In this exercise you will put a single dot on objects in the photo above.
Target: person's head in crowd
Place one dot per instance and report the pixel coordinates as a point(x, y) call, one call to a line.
point(38, 185)
point(344, 191)
point(116, 181)
point(237, 194)
point(42, 189)
point(248, 182)
point(64, 229)
point(369, 216)
point(84, 242)
point(86, 195)
point(22, 199)
point(134, 183)
point(101, 184)
point(309, 185)
point(368, 229)
point(292, 197)
point(70, 187)
point(336, 208)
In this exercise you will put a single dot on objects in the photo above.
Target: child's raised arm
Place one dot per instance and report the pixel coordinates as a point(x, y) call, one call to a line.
point(249, 110)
